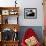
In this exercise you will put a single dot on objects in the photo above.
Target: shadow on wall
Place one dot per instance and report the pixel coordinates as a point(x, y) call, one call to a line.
point(37, 29)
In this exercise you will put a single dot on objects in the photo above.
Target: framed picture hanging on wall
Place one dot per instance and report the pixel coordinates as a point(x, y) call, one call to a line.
point(30, 13)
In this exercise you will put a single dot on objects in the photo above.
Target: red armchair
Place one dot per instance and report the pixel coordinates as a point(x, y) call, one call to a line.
point(28, 34)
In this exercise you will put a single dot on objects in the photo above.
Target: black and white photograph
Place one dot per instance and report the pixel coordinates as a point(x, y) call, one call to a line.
point(30, 13)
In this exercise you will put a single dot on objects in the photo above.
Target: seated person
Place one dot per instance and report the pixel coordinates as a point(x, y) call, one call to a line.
point(30, 38)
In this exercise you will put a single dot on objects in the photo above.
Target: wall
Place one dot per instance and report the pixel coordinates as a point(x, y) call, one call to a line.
point(31, 4)
point(7, 3)
point(27, 4)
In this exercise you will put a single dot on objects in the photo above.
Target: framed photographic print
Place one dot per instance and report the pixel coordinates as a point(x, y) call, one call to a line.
point(5, 12)
point(13, 12)
point(30, 13)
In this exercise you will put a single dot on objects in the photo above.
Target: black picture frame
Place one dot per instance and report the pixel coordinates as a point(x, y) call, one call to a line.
point(30, 13)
